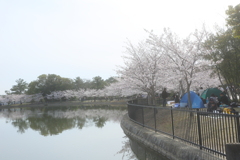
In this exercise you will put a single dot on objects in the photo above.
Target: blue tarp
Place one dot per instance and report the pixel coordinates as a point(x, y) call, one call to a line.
point(195, 99)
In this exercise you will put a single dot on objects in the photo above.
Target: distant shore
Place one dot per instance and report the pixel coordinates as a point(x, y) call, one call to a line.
point(68, 103)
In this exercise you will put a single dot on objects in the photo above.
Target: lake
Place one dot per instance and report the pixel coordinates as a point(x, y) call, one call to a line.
point(63, 133)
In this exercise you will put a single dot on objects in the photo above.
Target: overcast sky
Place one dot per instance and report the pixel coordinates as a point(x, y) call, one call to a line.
point(86, 38)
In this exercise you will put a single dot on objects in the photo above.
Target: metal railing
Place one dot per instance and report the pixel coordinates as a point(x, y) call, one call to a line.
point(209, 131)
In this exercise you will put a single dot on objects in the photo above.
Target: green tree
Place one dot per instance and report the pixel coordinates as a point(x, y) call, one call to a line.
point(224, 51)
point(20, 87)
point(110, 80)
point(233, 19)
point(46, 84)
point(33, 88)
point(8, 92)
point(78, 83)
point(87, 83)
point(98, 83)
point(65, 83)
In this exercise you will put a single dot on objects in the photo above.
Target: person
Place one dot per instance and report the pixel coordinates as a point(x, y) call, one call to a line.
point(203, 100)
point(200, 91)
point(221, 88)
point(223, 99)
point(211, 105)
point(215, 98)
point(176, 98)
point(164, 97)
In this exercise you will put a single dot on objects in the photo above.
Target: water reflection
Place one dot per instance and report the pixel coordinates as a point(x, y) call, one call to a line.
point(144, 153)
point(126, 151)
point(134, 150)
point(55, 120)
point(48, 121)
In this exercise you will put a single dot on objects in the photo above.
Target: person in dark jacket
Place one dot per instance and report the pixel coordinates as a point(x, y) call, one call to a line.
point(176, 98)
point(211, 105)
point(164, 97)
point(223, 99)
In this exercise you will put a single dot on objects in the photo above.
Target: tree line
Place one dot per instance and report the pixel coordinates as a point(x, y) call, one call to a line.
point(48, 83)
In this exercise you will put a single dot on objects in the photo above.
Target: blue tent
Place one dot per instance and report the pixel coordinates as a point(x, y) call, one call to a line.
point(195, 99)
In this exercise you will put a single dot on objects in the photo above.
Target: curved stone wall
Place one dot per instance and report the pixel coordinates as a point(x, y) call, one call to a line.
point(171, 148)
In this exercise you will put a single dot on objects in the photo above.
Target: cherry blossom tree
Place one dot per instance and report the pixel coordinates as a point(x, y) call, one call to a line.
point(185, 58)
point(121, 89)
point(143, 69)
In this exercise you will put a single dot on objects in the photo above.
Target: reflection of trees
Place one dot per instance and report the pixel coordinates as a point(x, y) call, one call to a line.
point(126, 150)
point(52, 121)
point(134, 150)
point(48, 125)
point(21, 124)
point(99, 121)
point(80, 122)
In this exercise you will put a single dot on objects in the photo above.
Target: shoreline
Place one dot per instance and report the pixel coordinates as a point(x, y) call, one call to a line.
point(68, 104)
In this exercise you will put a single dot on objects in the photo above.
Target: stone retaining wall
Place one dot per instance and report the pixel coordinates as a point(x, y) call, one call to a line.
point(171, 148)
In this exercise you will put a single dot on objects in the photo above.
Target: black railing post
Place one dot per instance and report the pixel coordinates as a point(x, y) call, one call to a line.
point(155, 122)
point(238, 127)
point(142, 117)
point(199, 130)
point(172, 123)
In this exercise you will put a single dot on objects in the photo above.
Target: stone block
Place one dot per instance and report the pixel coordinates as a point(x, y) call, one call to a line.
point(232, 151)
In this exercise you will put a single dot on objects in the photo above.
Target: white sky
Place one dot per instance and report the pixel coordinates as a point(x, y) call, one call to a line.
point(86, 38)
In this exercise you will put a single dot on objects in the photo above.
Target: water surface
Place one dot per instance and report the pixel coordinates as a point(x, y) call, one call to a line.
point(63, 133)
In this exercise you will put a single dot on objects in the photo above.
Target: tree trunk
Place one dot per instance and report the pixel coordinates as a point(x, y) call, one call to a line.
point(151, 99)
point(182, 91)
point(219, 77)
point(189, 96)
